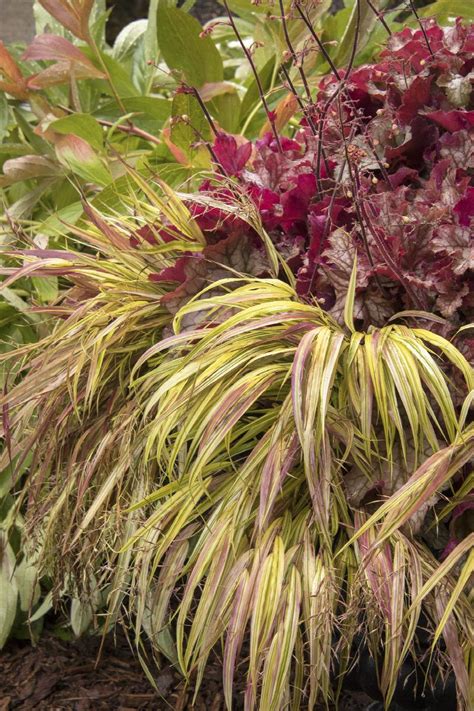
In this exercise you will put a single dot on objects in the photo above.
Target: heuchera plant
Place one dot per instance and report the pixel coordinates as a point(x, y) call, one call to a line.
point(380, 167)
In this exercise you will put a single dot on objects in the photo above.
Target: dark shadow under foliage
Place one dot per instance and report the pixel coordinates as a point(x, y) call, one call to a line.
point(124, 11)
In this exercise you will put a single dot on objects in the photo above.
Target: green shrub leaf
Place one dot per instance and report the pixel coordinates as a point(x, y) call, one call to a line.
point(78, 155)
point(8, 589)
point(195, 57)
point(186, 134)
point(82, 125)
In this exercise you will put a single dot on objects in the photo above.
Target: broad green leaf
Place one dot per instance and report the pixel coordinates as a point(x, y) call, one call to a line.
point(44, 22)
point(150, 112)
point(187, 133)
point(78, 155)
point(54, 224)
point(361, 23)
point(4, 113)
point(6, 475)
point(119, 77)
point(11, 150)
point(26, 577)
point(82, 125)
point(45, 607)
point(81, 616)
point(46, 288)
point(251, 97)
point(8, 589)
point(128, 38)
point(98, 21)
point(195, 58)
point(448, 10)
point(150, 40)
point(19, 304)
point(226, 109)
point(37, 143)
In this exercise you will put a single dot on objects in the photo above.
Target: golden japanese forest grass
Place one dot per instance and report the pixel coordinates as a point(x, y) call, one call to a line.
point(193, 479)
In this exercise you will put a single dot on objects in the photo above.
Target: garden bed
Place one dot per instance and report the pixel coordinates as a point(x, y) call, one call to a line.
point(72, 675)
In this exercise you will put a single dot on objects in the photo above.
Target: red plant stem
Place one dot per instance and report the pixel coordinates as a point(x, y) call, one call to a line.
point(204, 110)
point(298, 99)
point(261, 93)
point(329, 211)
point(359, 207)
point(93, 45)
point(306, 111)
point(129, 128)
point(318, 42)
point(390, 262)
point(340, 88)
point(414, 11)
point(383, 169)
point(322, 118)
point(355, 194)
point(209, 148)
point(293, 53)
point(380, 17)
point(133, 130)
point(308, 118)
point(355, 43)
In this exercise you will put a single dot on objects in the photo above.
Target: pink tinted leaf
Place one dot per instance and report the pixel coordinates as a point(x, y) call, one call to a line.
point(26, 167)
point(8, 67)
point(72, 14)
point(61, 73)
point(210, 90)
point(232, 157)
point(415, 98)
point(235, 634)
point(68, 60)
point(78, 155)
point(54, 48)
point(452, 120)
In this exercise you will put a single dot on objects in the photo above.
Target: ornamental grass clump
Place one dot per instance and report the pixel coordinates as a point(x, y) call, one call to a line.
point(252, 422)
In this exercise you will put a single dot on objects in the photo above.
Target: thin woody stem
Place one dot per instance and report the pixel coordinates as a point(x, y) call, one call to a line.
point(209, 148)
point(299, 100)
point(129, 128)
point(318, 42)
point(380, 17)
point(422, 27)
point(205, 110)
point(293, 53)
point(248, 54)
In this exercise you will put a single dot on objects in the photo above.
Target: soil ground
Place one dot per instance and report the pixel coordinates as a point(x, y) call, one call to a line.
point(68, 676)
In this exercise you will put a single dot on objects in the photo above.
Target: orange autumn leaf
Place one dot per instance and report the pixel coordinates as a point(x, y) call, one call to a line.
point(178, 154)
point(285, 110)
point(11, 78)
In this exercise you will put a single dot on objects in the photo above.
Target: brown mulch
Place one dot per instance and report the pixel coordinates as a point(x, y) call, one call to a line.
point(68, 676)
